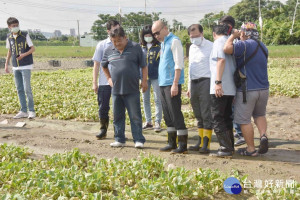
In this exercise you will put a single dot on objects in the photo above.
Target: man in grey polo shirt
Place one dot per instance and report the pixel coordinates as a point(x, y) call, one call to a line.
point(125, 59)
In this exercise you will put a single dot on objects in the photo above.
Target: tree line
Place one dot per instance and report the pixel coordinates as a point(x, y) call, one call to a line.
point(277, 21)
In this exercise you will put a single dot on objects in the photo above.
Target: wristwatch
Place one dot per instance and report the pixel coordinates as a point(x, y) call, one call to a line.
point(218, 82)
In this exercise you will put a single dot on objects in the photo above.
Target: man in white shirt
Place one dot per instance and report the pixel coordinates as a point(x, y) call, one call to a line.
point(199, 85)
point(170, 79)
point(101, 86)
point(222, 90)
point(20, 49)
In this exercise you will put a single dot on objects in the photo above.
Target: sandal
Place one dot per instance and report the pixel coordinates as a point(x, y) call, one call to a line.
point(264, 145)
point(244, 152)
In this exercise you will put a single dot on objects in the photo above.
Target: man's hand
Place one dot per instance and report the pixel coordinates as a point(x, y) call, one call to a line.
point(95, 88)
point(188, 93)
point(219, 90)
point(174, 90)
point(236, 33)
point(144, 86)
point(6, 68)
point(21, 56)
point(110, 82)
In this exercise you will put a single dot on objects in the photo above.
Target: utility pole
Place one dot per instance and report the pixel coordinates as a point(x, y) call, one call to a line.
point(260, 21)
point(145, 14)
point(291, 31)
point(120, 13)
point(78, 32)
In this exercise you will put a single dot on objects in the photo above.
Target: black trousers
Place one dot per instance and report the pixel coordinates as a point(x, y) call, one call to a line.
point(201, 102)
point(221, 110)
point(172, 110)
point(103, 97)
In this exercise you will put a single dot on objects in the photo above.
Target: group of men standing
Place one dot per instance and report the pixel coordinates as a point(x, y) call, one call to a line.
point(212, 88)
point(223, 73)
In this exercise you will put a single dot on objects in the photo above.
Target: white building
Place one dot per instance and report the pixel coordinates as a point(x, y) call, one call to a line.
point(72, 32)
point(57, 33)
point(87, 40)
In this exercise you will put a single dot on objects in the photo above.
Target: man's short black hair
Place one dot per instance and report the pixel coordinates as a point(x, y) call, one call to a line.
point(111, 23)
point(227, 19)
point(12, 20)
point(193, 27)
point(221, 29)
point(118, 32)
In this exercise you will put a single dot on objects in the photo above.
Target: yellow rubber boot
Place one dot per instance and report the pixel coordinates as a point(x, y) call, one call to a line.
point(206, 141)
point(199, 143)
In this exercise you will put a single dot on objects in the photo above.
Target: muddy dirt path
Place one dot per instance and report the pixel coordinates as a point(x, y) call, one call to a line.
point(46, 137)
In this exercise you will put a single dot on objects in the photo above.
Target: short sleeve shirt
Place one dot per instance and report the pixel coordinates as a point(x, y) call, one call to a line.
point(98, 55)
point(125, 67)
point(227, 78)
point(256, 68)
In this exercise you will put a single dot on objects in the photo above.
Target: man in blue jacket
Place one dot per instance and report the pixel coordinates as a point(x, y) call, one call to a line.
point(170, 79)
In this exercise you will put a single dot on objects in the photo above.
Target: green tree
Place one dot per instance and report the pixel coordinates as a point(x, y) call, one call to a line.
point(290, 6)
point(99, 26)
point(63, 38)
point(132, 23)
point(177, 25)
point(37, 36)
point(277, 20)
point(3, 33)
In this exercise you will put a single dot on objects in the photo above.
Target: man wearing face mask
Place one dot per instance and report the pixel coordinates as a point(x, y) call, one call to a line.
point(199, 85)
point(20, 49)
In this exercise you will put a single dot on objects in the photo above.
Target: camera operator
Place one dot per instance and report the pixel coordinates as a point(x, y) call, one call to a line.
point(251, 58)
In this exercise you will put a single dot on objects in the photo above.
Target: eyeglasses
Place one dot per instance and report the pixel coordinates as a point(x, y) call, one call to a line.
point(158, 32)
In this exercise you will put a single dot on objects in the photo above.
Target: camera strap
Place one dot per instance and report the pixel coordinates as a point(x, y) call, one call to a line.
point(244, 77)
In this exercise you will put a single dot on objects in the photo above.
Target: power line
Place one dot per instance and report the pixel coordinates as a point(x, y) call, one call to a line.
point(35, 21)
point(96, 11)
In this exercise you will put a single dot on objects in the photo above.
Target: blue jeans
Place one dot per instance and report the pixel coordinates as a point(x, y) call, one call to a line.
point(132, 103)
point(22, 81)
point(103, 97)
point(147, 103)
point(237, 128)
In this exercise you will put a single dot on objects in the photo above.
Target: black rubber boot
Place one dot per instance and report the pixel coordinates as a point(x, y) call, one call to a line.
point(225, 149)
point(103, 129)
point(172, 136)
point(196, 147)
point(182, 145)
point(231, 136)
point(206, 141)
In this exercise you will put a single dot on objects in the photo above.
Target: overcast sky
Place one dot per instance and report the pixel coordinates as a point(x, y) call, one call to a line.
point(49, 15)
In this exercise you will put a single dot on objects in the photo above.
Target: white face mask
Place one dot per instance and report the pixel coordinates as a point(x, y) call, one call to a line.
point(148, 39)
point(197, 41)
point(15, 29)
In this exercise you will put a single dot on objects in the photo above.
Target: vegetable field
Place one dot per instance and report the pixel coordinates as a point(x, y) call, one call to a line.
point(63, 96)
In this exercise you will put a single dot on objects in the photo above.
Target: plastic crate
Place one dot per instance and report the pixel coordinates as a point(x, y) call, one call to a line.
point(89, 63)
point(54, 63)
point(2, 62)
